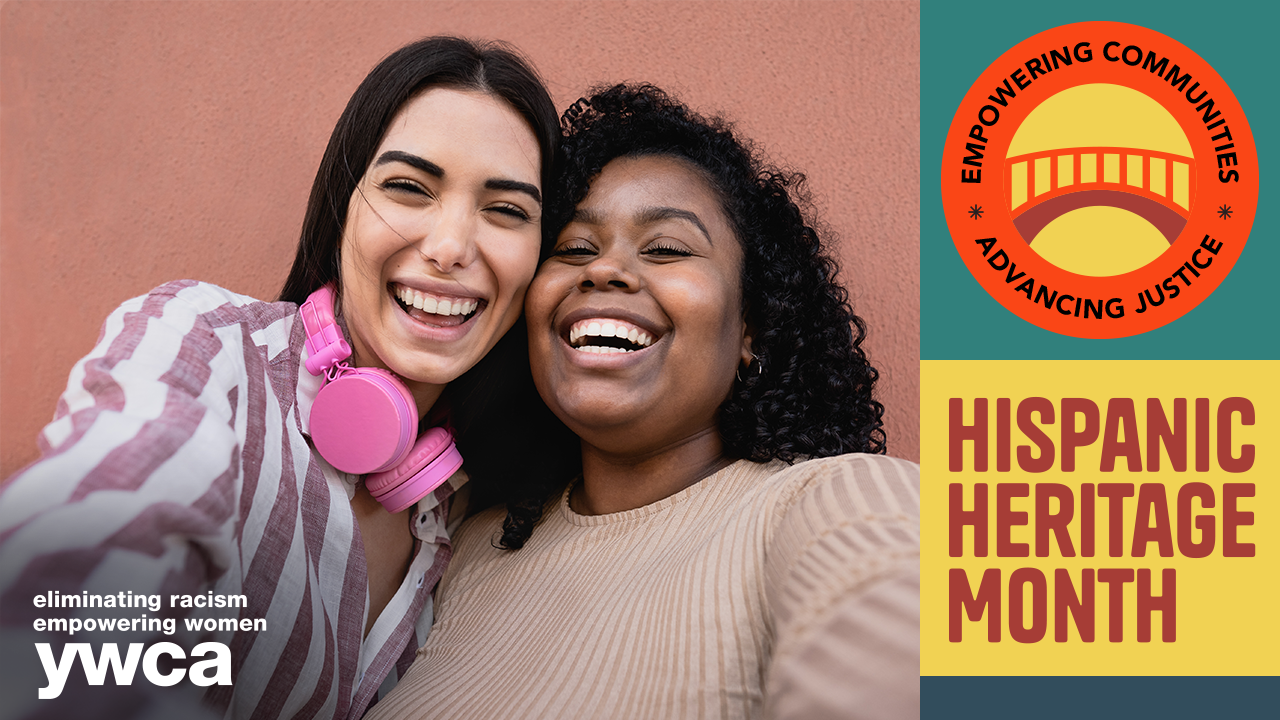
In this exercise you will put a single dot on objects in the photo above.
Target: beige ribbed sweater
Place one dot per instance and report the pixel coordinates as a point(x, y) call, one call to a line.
point(765, 589)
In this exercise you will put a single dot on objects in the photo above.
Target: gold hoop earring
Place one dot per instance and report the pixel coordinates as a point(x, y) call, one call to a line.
point(757, 362)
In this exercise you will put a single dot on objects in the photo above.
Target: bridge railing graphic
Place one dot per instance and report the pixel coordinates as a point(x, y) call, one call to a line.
point(1167, 178)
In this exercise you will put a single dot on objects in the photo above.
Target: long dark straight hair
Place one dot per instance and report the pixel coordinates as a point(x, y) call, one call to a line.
point(433, 62)
point(509, 438)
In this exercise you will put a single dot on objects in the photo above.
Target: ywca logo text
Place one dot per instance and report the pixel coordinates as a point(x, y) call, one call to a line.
point(215, 670)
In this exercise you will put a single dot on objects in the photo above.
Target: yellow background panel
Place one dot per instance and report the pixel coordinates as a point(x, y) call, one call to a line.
point(1227, 621)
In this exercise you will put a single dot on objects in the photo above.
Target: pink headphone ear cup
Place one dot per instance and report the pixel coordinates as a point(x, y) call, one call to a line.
point(433, 460)
point(364, 421)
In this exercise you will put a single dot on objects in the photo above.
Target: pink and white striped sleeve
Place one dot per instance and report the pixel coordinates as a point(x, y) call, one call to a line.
point(137, 486)
point(136, 491)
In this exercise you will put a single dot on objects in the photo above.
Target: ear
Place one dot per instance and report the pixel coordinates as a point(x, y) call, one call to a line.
point(748, 337)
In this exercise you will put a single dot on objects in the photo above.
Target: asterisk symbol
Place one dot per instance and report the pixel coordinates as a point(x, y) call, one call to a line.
point(975, 211)
point(1225, 211)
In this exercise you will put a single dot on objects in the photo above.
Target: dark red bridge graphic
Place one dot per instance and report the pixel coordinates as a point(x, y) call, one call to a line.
point(1156, 186)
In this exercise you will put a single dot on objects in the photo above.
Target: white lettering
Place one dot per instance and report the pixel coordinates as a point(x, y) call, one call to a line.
point(57, 674)
point(213, 669)
point(153, 673)
point(221, 664)
point(97, 672)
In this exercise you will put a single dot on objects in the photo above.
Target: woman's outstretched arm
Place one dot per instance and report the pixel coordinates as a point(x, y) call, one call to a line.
point(843, 582)
point(136, 491)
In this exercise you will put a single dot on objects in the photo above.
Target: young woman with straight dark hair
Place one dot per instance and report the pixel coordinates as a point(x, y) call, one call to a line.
point(185, 458)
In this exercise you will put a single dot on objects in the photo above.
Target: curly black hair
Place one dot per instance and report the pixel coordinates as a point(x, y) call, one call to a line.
point(809, 392)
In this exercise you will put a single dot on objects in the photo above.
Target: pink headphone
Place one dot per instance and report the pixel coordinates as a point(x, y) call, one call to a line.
point(364, 420)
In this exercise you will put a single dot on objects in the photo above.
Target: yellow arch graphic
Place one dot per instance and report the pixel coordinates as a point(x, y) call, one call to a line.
point(1100, 114)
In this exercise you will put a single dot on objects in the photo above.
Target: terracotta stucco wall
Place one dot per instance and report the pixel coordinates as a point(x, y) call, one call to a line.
point(149, 141)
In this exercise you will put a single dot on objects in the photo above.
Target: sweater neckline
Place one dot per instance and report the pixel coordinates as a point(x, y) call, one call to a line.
point(573, 518)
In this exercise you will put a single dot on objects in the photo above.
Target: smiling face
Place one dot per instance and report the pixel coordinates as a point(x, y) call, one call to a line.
point(636, 322)
point(442, 237)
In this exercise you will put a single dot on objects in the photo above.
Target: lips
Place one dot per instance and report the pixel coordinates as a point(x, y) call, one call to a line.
point(436, 309)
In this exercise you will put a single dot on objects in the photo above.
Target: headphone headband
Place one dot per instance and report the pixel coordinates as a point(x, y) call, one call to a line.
point(325, 345)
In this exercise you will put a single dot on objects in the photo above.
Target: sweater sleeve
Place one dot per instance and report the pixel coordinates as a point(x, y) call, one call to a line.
point(135, 490)
point(842, 582)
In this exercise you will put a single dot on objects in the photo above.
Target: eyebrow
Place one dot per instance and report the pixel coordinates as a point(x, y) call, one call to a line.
point(516, 185)
point(421, 163)
point(436, 171)
point(587, 217)
point(646, 216)
point(652, 215)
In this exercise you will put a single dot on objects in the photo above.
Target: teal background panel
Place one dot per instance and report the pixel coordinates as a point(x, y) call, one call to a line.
point(960, 321)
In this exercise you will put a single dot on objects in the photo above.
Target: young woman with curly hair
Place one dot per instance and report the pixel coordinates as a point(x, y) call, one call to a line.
point(737, 544)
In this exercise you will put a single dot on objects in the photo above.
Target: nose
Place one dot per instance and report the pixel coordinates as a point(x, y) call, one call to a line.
point(608, 271)
point(449, 243)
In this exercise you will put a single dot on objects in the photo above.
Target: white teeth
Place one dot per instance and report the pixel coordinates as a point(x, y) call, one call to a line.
point(429, 304)
point(607, 329)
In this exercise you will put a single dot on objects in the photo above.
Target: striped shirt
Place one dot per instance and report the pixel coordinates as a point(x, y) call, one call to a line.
point(765, 590)
point(178, 464)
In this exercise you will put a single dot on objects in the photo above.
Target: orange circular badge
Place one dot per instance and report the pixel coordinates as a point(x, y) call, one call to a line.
point(1099, 180)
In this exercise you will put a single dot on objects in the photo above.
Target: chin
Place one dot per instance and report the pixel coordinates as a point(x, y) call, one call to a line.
point(413, 369)
point(602, 423)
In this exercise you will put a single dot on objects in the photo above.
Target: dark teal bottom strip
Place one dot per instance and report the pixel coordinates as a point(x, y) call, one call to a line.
point(1098, 698)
